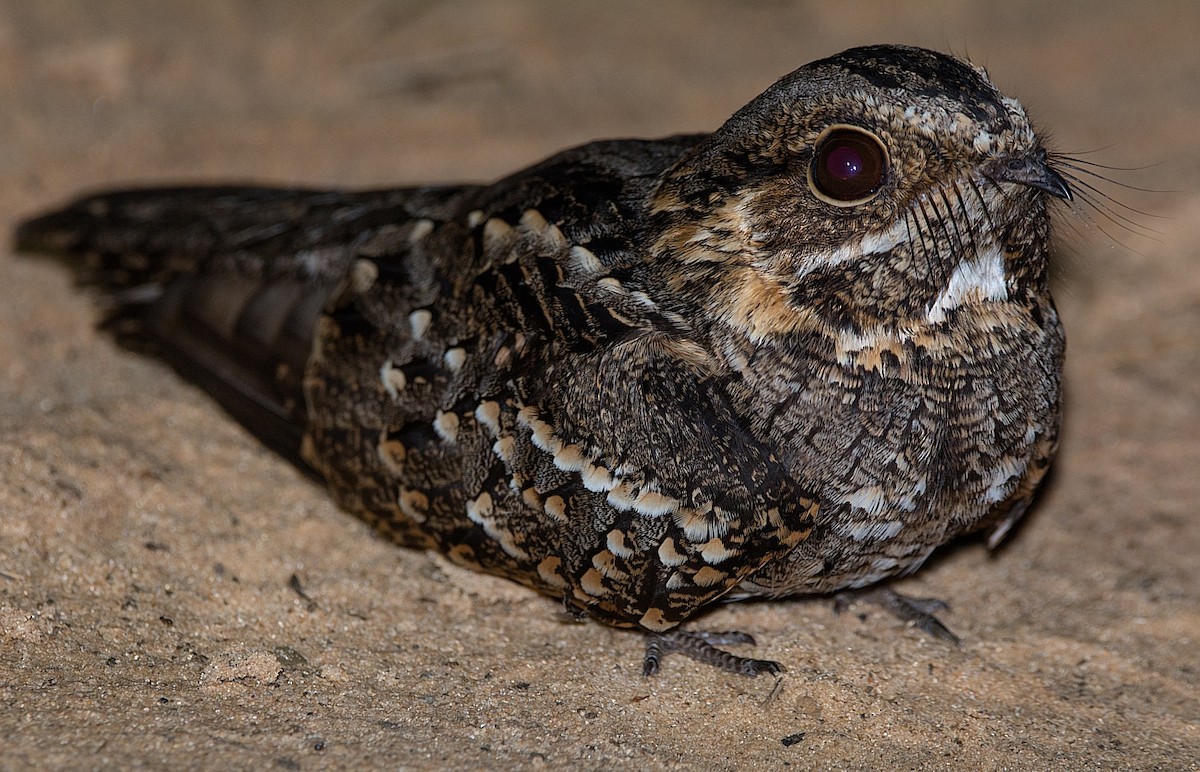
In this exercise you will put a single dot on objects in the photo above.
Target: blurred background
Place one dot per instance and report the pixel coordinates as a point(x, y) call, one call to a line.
point(380, 92)
point(147, 546)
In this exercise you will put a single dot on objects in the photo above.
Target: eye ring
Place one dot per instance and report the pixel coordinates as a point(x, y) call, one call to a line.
point(849, 166)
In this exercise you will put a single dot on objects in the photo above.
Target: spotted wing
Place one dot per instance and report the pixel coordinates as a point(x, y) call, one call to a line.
point(666, 500)
point(500, 387)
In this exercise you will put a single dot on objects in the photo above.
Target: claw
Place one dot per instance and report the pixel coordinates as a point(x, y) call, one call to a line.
point(702, 646)
point(916, 611)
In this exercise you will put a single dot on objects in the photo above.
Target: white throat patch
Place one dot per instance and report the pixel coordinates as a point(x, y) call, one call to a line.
point(977, 279)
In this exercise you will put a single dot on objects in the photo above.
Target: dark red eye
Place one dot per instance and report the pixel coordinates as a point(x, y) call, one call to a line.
point(848, 167)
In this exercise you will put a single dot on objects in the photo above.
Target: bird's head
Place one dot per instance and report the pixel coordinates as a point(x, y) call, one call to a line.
point(886, 185)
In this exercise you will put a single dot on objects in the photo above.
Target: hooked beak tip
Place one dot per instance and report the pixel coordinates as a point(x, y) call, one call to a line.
point(1035, 172)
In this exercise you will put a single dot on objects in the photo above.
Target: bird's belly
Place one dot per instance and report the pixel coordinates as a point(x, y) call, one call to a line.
point(901, 465)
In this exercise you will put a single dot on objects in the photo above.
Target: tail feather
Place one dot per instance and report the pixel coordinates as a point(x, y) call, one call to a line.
point(225, 284)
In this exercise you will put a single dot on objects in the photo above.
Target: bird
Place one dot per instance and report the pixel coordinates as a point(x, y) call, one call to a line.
point(790, 357)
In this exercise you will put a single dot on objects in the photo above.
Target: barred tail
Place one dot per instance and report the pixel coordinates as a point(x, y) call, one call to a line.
point(225, 284)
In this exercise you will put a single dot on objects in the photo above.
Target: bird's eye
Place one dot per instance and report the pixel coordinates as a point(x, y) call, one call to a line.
point(848, 167)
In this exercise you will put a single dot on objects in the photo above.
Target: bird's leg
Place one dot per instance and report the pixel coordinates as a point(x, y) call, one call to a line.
point(916, 611)
point(702, 646)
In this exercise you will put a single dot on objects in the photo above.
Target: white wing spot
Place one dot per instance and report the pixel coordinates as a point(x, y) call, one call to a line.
point(652, 503)
point(420, 229)
point(596, 478)
point(606, 563)
point(677, 581)
point(446, 426)
point(556, 508)
point(454, 358)
point(497, 235)
point(621, 496)
point(480, 510)
point(531, 497)
point(488, 414)
point(549, 573)
point(569, 458)
point(534, 224)
point(699, 526)
point(393, 379)
point(708, 576)
point(586, 261)
point(363, 276)
point(617, 545)
point(592, 583)
point(715, 551)
point(505, 448)
point(418, 322)
point(413, 504)
point(668, 555)
point(391, 454)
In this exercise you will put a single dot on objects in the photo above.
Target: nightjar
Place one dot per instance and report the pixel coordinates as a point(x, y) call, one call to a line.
point(792, 356)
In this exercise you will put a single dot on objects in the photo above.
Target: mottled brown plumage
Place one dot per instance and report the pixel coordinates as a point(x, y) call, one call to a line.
point(793, 356)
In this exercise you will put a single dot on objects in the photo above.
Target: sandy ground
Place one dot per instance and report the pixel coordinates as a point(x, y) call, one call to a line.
point(148, 610)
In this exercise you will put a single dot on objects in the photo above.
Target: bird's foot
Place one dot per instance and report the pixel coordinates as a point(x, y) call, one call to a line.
point(702, 646)
point(918, 612)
